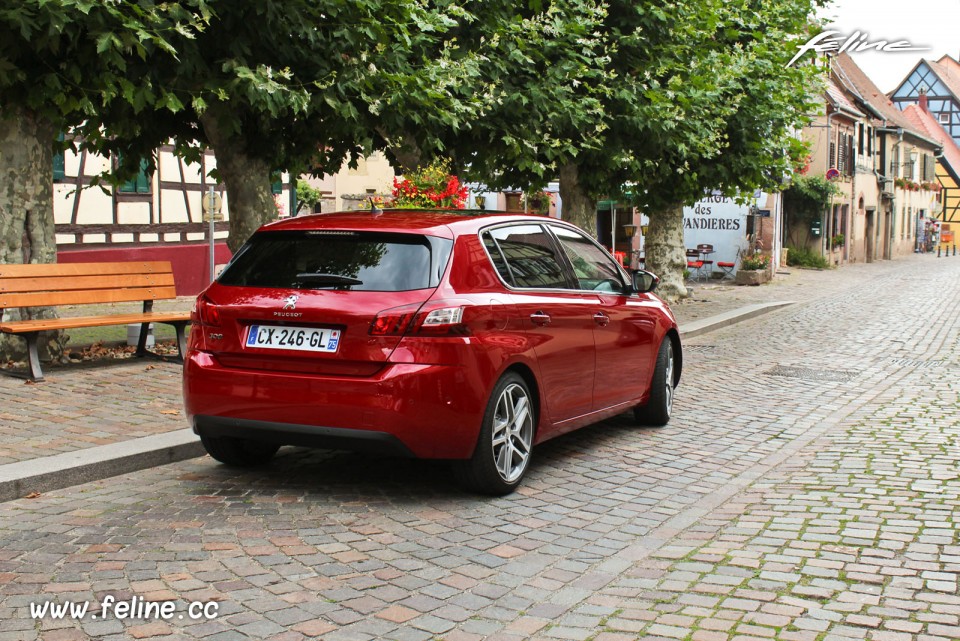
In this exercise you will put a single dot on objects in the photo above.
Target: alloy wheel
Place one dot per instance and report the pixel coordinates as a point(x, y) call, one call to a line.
point(512, 432)
point(668, 379)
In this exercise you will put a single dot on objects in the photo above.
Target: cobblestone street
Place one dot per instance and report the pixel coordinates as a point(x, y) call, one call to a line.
point(807, 488)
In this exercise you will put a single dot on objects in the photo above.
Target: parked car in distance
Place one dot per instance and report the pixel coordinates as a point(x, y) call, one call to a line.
point(428, 334)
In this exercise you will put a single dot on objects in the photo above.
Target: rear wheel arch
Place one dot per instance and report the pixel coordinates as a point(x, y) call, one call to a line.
point(674, 337)
point(524, 372)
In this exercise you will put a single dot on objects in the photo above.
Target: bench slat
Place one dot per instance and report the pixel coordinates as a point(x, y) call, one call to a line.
point(16, 270)
point(40, 325)
point(87, 296)
point(56, 284)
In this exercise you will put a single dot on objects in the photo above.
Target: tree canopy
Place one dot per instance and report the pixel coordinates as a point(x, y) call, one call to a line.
point(668, 100)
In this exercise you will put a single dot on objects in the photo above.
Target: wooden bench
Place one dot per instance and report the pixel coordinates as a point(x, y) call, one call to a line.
point(53, 285)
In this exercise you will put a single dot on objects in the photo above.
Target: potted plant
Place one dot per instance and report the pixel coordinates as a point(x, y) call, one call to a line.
point(754, 270)
point(430, 187)
point(837, 241)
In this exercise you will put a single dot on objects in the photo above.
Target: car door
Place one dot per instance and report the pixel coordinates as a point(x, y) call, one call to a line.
point(624, 323)
point(556, 316)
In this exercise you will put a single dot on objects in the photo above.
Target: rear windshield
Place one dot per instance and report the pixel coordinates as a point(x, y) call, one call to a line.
point(380, 262)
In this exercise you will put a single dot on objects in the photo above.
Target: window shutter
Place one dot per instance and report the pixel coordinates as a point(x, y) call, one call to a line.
point(59, 161)
point(143, 180)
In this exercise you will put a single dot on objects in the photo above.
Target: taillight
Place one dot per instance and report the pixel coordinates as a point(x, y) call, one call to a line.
point(442, 321)
point(393, 321)
point(206, 312)
point(410, 319)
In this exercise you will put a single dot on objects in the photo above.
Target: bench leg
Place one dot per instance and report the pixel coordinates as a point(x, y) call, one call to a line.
point(36, 374)
point(181, 339)
point(142, 341)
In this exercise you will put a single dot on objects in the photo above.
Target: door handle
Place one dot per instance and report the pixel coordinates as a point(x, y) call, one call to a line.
point(540, 319)
point(601, 319)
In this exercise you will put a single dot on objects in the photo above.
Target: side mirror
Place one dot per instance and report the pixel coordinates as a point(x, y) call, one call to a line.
point(644, 282)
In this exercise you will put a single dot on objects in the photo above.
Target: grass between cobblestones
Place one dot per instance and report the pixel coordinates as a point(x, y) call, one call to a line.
point(855, 539)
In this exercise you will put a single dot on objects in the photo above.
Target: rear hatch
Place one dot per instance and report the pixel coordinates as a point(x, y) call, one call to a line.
point(306, 301)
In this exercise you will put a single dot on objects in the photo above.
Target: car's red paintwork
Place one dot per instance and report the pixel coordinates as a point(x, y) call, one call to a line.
point(428, 392)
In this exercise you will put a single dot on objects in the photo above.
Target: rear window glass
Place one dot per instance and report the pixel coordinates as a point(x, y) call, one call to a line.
point(381, 262)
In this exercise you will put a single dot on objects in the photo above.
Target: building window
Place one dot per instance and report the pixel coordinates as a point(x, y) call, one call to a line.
point(514, 202)
point(944, 118)
point(929, 168)
point(140, 184)
point(844, 154)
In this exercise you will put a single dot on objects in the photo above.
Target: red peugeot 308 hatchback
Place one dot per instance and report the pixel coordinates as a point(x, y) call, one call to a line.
point(426, 334)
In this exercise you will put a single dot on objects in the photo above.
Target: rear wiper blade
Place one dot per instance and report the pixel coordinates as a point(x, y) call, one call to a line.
point(335, 280)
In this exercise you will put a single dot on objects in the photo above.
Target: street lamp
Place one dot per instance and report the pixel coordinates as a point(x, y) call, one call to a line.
point(629, 231)
point(480, 200)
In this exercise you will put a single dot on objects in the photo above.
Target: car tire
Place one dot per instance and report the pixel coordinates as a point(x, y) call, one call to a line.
point(659, 406)
point(502, 455)
point(238, 452)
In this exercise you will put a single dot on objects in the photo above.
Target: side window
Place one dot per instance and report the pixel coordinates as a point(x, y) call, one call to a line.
point(593, 267)
point(528, 255)
point(496, 257)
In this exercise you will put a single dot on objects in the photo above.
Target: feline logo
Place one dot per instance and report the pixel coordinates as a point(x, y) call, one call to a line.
point(291, 302)
point(854, 43)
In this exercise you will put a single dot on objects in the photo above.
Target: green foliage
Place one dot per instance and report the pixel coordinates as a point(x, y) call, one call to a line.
point(68, 61)
point(519, 86)
point(807, 197)
point(805, 257)
point(837, 241)
point(307, 196)
point(674, 99)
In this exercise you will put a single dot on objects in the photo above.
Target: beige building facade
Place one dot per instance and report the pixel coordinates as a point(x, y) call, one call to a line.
point(882, 164)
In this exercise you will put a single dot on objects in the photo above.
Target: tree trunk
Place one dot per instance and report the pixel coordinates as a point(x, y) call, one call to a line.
point(247, 180)
point(665, 253)
point(404, 149)
point(26, 215)
point(577, 206)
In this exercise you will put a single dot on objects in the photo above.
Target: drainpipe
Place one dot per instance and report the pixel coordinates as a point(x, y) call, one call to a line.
point(848, 236)
point(824, 235)
point(893, 201)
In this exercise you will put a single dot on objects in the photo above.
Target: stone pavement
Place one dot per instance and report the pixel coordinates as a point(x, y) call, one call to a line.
point(807, 488)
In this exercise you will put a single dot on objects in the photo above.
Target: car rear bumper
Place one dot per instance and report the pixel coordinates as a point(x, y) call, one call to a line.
point(333, 438)
point(427, 411)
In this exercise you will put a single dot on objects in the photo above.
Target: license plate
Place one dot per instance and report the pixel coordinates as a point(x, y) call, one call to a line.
point(308, 339)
